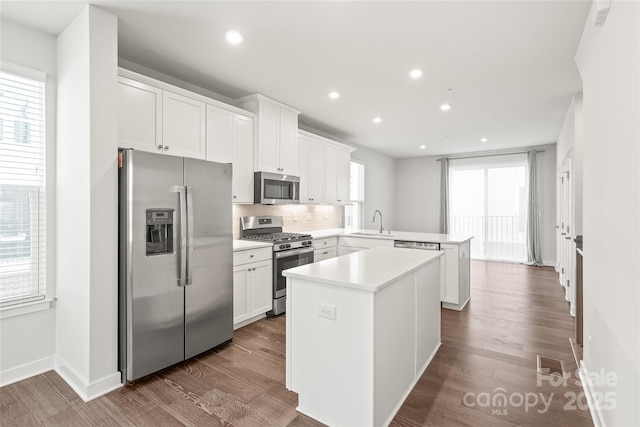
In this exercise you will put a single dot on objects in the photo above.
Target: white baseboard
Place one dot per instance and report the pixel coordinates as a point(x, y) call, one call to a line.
point(87, 391)
point(22, 372)
point(596, 413)
point(248, 321)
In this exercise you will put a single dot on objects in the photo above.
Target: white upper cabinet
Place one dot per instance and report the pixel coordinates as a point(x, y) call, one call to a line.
point(311, 168)
point(219, 134)
point(162, 118)
point(331, 174)
point(231, 139)
point(288, 148)
point(243, 158)
point(183, 126)
point(139, 115)
point(338, 162)
point(324, 169)
point(277, 129)
point(343, 166)
point(157, 120)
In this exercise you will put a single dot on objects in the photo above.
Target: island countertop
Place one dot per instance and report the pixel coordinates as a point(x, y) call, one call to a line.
point(368, 270)
point(412, 236)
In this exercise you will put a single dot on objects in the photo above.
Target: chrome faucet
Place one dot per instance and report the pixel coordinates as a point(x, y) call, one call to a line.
point(374, 220)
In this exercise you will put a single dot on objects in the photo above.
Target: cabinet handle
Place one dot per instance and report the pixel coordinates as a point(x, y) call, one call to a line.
point(159, 147)
point(166, 147)
point(235, 197)
point(250, 256)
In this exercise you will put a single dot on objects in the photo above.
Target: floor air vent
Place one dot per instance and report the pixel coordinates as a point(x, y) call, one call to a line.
point(549, 366)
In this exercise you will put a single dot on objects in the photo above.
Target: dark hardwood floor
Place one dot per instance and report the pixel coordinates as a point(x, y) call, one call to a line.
point(483, 375)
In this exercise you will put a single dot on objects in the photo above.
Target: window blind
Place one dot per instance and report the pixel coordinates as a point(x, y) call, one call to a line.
point(22, 185)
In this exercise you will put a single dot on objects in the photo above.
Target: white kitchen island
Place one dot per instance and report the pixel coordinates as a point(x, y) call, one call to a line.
point(361, 330)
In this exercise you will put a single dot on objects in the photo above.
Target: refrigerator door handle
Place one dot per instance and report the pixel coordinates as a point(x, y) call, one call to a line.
point(181, 190)
point(190, 242)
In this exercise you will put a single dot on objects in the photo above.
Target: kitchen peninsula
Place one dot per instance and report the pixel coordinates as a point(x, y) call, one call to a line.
point(455, 291)
point(361, 330)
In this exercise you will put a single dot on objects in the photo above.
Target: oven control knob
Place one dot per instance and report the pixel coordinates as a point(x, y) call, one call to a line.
point(283, 246)
point(288, 245)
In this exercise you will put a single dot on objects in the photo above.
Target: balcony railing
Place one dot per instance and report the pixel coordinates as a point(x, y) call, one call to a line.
point(501, 238)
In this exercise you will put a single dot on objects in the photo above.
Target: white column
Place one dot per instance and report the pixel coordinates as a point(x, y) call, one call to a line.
point(87, 204)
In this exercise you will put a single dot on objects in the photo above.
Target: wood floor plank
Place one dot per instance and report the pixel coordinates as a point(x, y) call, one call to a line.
point(516, 312)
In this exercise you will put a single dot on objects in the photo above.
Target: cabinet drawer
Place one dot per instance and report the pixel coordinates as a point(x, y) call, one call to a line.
point(251, 255)
point(326, 242)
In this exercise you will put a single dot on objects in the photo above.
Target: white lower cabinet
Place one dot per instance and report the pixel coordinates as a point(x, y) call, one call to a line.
point(252, 285)
point(455, 290)
point(325, 248)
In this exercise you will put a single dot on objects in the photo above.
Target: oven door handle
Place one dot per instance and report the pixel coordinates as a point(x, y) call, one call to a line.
point(294, 252)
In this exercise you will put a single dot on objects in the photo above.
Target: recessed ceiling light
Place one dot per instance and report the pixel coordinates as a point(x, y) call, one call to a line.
point(422, 147)
point(334, 95)
point(416, 73)
point(445, 107)
point(483, 139)
point(233, 37)
point(377, 119)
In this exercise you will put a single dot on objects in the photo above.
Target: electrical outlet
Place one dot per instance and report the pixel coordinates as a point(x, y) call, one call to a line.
point(295, 216)
point(309, 217)
point(60, 326)
point(327, 311)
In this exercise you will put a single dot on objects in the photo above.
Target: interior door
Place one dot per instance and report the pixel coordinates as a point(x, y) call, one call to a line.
point(154, 303)
point(209, 296)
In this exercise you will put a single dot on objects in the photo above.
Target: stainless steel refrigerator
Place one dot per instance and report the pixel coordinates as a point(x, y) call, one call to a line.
point(175, 260)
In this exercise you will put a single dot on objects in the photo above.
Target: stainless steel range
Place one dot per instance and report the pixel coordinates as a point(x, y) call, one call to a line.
point(289, 250)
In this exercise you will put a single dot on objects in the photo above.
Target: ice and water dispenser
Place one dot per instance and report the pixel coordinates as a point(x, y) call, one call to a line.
point(159, 231)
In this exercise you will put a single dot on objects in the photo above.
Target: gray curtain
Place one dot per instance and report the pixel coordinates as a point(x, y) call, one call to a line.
point(444, 196)
point(533, 218)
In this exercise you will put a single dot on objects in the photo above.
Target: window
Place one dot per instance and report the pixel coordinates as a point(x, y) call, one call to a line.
point(354, 210)
point(22, 185)
point(488, 199)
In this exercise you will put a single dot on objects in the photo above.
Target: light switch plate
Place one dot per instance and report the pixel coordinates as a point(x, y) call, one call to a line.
point(327, 311)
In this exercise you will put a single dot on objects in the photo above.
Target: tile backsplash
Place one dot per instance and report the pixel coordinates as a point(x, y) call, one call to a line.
point(297, 218)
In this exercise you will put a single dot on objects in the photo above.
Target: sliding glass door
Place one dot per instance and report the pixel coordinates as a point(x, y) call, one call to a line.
point(488, 198)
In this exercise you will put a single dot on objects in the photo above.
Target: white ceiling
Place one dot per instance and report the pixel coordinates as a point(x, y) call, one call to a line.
point(510, 63)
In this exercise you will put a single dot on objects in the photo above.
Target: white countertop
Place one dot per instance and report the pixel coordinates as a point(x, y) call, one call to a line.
point(243, 245)
point(393, 235)
point(368, 270)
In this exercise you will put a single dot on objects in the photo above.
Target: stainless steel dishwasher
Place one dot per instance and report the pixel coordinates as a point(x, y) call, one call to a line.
point(426, 246)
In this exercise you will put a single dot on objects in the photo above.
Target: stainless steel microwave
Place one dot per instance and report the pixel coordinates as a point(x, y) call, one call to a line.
point(276, 189)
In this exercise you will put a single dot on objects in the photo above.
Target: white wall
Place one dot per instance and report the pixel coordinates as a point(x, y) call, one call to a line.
point(419, 194)
point(87, 204)
point(608, 59)
point(419, 197)
point(380, 187)
point(570, 144)
point(26, 354)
